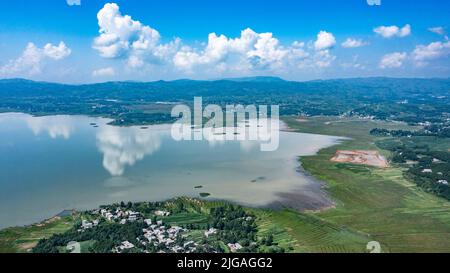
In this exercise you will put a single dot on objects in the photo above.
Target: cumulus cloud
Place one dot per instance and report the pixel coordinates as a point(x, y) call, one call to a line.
point(104, 72)
point(353, 43)
point(325, 40)
point(58, 52)
point(320, 59)
point(138, 45)
point(250, 50)
point(393, 60)
point(253, 51)
point(122, 37)
point(73, 2)
point(422, 54)
point(393, 31)
point(32, 58)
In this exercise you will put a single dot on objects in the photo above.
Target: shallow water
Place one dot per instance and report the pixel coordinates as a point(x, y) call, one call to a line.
point(52, 163)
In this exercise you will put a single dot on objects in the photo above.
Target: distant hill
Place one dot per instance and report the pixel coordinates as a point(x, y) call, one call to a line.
point(410, 100)
point(255, 79)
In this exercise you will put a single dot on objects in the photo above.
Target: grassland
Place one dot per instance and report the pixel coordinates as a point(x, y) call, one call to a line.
point(23, 239)
point(378, 202)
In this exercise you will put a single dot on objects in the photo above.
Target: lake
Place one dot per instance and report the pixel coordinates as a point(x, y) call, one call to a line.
point(52, 163)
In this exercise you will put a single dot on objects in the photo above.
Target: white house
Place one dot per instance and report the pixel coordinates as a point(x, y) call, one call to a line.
point(234, 247)
point(210, 232)
point(126, 245)
point(162, 213)
point(443, 182)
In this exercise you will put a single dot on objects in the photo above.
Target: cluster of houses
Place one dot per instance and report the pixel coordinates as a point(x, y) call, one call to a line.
point(119, 215)
point(168, 239)
point(114, 216)
point(88, 225)
point(441, 181)
point(158, 235)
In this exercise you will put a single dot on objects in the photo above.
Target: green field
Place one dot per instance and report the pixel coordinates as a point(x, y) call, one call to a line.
point(377, 202)
point(23, 239)
point(303, 233)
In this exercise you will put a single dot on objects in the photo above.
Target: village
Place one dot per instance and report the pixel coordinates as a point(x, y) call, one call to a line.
point(168, 239)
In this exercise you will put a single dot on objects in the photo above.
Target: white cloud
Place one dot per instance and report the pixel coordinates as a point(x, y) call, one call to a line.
point(250, 50)
point(140, 46)
point(393, 31)
point(32, 58)
point(323, 59)
point(104, 72)
point(122, 37)
point(353, 43)
point(437, 30)
point(325, 40)
point(393, 60)
point(57, 52)
point(73, 2)
point(422, 54)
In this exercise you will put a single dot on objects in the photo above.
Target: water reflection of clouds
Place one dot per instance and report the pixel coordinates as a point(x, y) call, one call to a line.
point(54, 126)
point(123, 147)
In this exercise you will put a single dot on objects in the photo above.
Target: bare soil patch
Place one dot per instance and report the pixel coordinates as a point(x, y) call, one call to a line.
point(369, 158)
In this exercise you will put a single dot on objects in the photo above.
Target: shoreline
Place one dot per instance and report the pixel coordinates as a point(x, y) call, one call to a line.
point(309, 197)
point(315, 199)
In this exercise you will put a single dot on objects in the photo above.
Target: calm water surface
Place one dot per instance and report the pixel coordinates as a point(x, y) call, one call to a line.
point(48, 164)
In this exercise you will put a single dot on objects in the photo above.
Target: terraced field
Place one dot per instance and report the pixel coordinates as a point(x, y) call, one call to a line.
point(301, 233)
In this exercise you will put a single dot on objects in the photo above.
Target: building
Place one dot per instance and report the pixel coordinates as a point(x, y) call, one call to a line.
point(124, 246)
point(86, 224)
point(210, 232)
point(443, 182)
point(234, 247)
point(162, 213)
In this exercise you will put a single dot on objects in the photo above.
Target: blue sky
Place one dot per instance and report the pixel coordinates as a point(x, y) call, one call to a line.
point(152, 40)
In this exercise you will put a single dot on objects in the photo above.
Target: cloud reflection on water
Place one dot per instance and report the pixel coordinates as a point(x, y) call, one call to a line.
point(123, 147)
point(54, 126)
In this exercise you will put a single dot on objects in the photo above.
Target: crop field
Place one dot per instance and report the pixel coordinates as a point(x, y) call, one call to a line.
point(378, 202)
point(302, 233)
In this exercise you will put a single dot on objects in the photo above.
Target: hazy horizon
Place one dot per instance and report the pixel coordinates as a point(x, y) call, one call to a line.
point(236, 79)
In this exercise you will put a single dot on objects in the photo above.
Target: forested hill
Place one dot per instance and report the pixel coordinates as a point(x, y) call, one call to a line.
point(411, 100)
